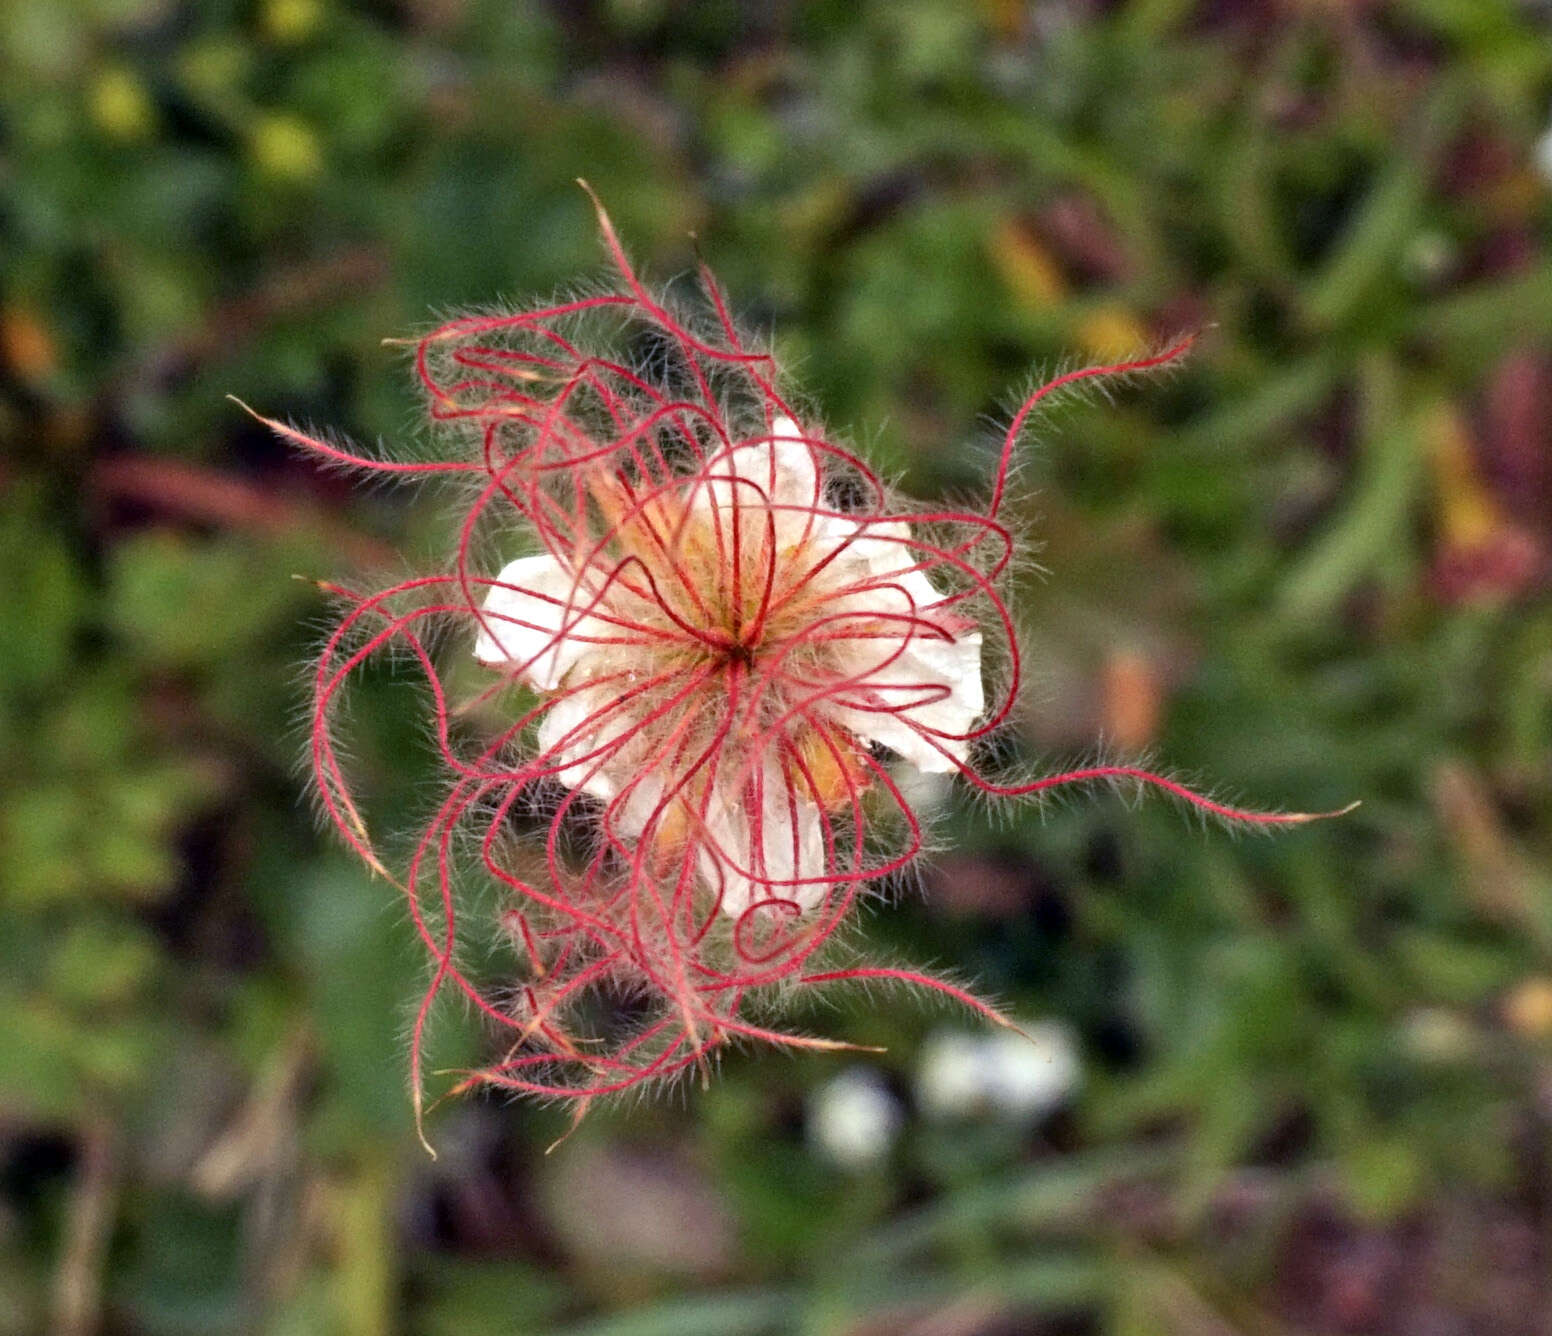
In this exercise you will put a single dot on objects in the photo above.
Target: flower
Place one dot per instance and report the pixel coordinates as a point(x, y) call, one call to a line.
point(853, 1119)
point(723, 638)
point(1020, 1075)
point(721, 657)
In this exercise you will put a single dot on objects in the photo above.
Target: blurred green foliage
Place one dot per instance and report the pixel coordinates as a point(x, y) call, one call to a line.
point(1311, 567)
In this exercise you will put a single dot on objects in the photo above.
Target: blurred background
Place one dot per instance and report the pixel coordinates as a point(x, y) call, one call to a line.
point(1278, 1086)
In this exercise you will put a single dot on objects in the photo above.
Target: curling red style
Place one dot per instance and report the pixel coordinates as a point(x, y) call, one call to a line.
point(703, 638)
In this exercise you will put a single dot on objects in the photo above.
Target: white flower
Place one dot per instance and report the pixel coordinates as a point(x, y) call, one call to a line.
point(853, 1119)
point(1018, 1075)
point(1031, 1072)
point(720, 655)
point(1543, 155)
point(951, 1074)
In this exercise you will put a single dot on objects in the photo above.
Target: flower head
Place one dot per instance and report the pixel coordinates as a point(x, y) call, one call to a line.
point(703, 634)
point(720, 651)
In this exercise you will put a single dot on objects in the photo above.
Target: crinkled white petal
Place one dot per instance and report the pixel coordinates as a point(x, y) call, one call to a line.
point(914, 667)
point(910, 690)
point(782, 466)
point(586, 735)
point(742, 856)
point(771, 480)
point(886, 551)
point(534, 617)
point(575, 727)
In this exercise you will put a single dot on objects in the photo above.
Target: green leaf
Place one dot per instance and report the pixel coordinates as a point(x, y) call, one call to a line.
point(182, 603)
point(42, 599)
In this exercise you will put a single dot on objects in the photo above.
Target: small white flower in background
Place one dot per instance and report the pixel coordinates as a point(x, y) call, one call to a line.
point(853, 1119)
point(951, 1075)
point(1031, 1074)
point(1017, 1077)
point(1543, 155)
point(1437, 1035)
point(1429, 256)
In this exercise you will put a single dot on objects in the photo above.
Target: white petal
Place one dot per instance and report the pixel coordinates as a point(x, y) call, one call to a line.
point(742, 858)
point(782, 466)
point(533, 617)
point(577, 725)
point(866, 558)
point(780, 470)
point(900, 693)
point(886, 553)
point(786, 466)
point(586, 733)
point(899, 667)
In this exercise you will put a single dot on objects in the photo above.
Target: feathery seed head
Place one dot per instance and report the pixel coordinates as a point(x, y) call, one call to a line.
point(720, 632)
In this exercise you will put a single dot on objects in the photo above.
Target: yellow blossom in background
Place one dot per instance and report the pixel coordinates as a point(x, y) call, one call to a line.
point(120, 105)
point(285, 147)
